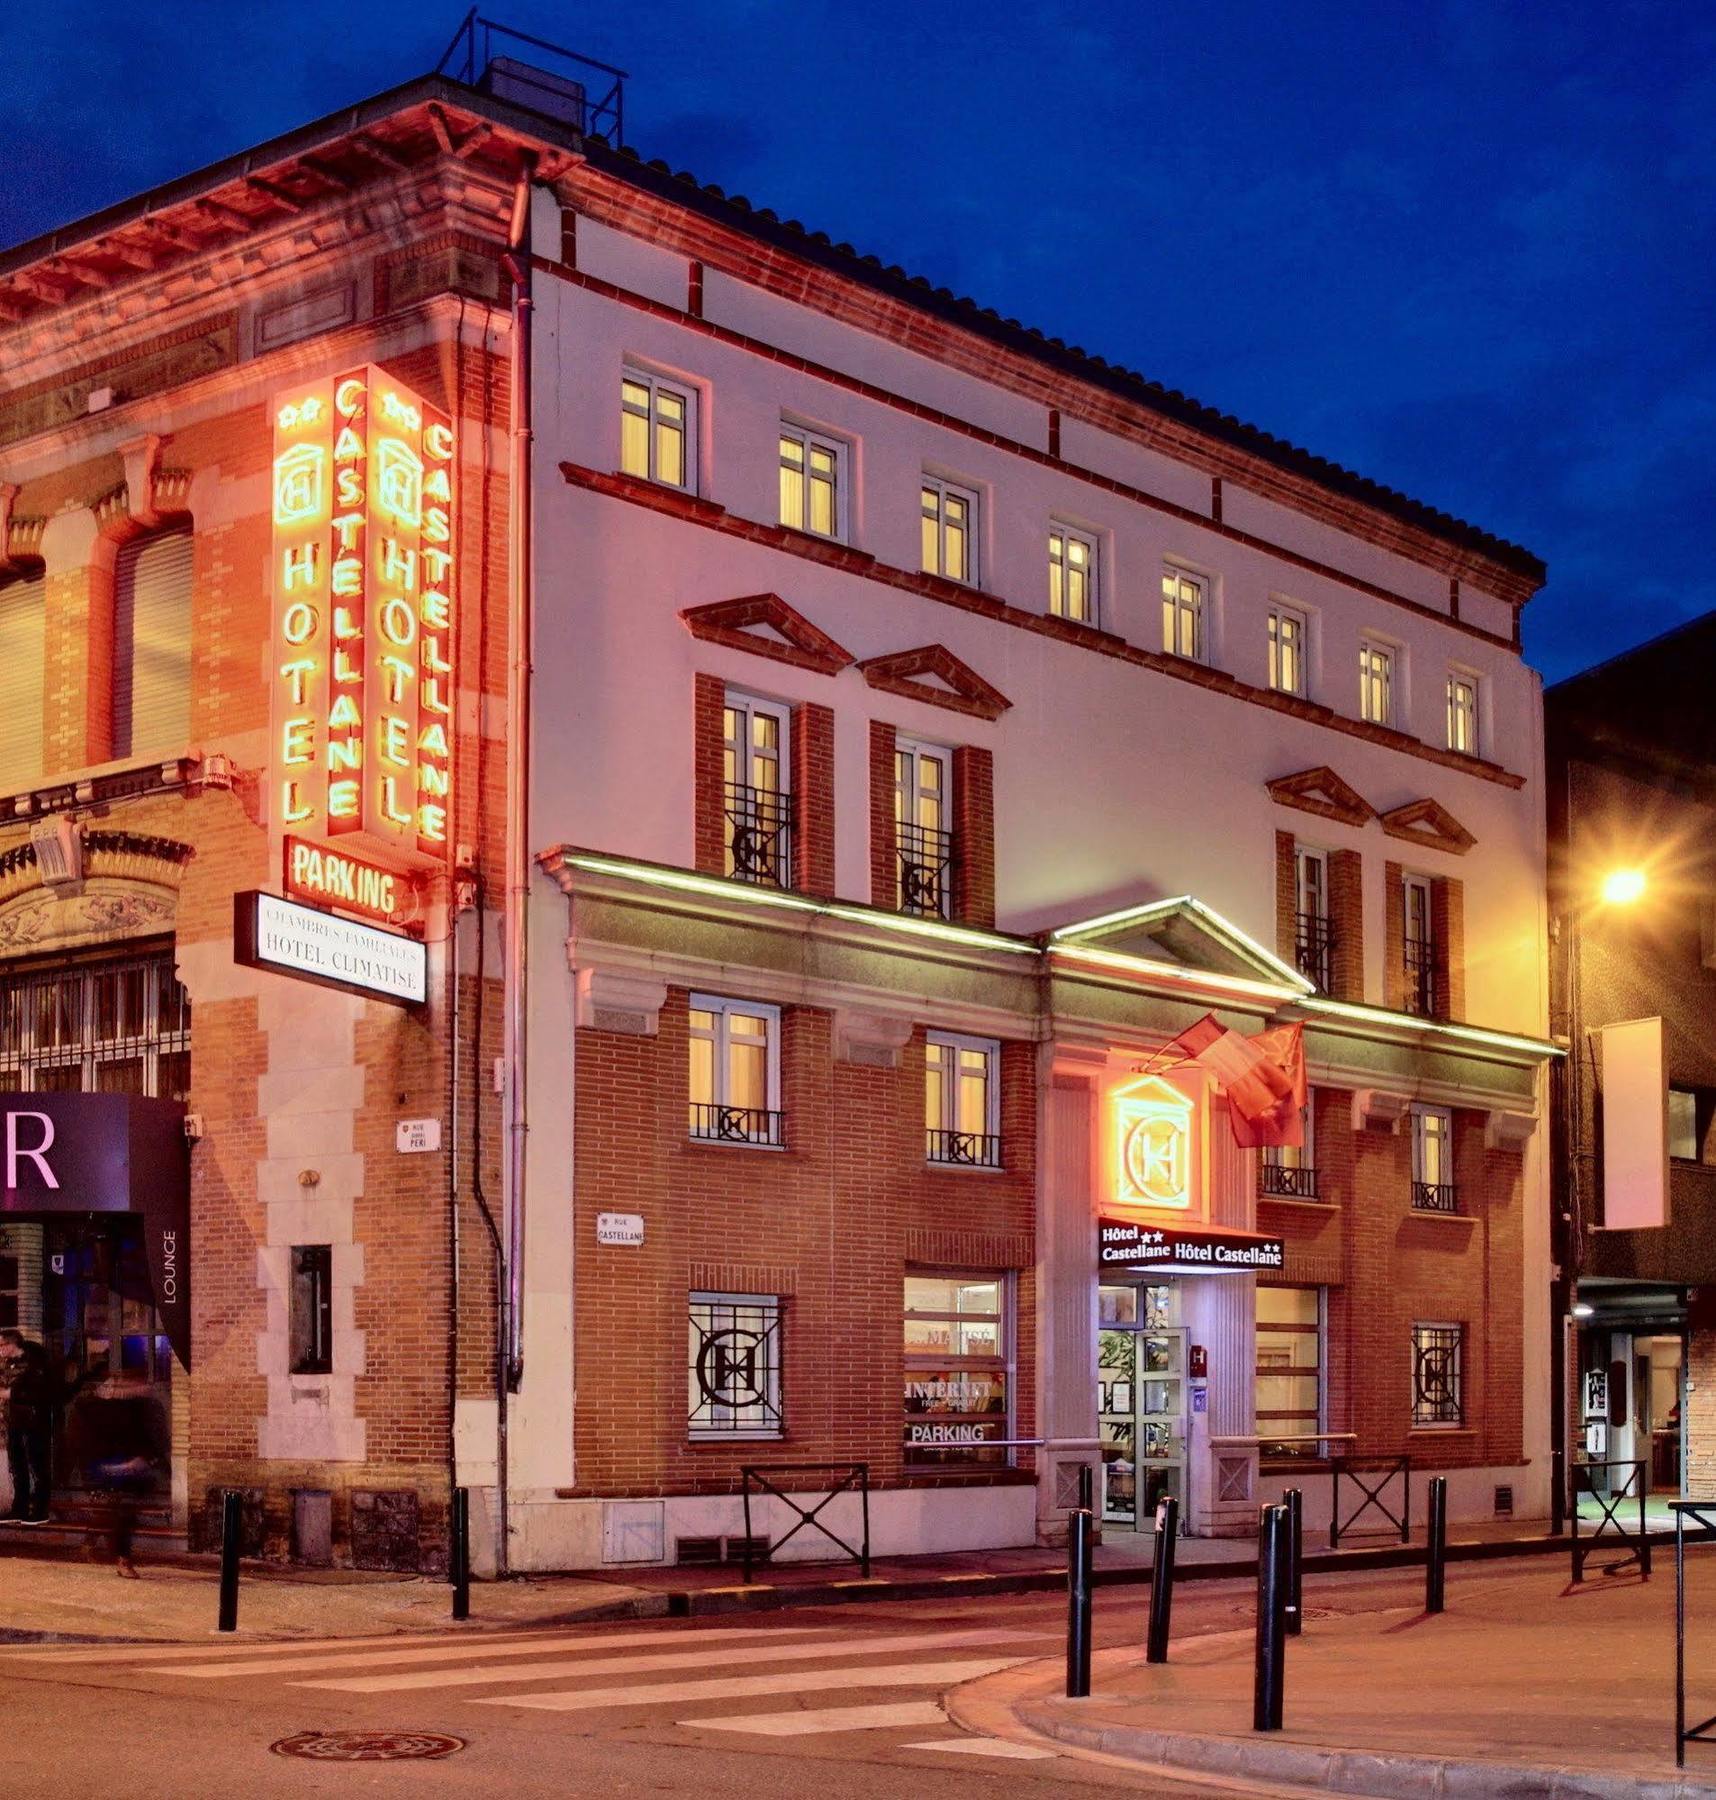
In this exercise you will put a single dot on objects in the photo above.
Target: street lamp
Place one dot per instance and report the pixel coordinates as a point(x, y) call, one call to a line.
point(1618, 888)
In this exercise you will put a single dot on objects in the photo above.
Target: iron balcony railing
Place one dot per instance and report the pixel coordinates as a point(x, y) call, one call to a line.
point(1420, 997)
point(759, 834)
point(926, 870)
point(1287, 1182)
point(965, 1149)
point(1314, 950)
point(1435, 1196)
point(721, 1124)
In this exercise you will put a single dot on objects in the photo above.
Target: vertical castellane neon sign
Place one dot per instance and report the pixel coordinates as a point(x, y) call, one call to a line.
point(364, 611)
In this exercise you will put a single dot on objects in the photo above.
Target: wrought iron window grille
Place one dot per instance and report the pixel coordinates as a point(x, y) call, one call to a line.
point(1435, 1196)
point(735, 1368)
point(722, 1124)
point(926, 870)
point(1314, 950)
point(1437, 1396)
point(1287, 1181)
point(964, 1149)
point(1420, 997)
point(759, 827)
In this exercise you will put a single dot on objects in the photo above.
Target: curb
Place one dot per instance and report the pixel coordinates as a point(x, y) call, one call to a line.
point(1014, 1704)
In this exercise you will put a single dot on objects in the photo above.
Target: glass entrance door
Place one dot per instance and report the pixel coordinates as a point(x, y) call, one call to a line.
point(1141, 1406)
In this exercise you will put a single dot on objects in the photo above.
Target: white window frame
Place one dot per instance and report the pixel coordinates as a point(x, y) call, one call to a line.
point(1286, 621)
point(1423, 1136)
point(1298, 1156)
point(1308, 856)
point(930, 1361)
point(809, 441)
point(739, 752)
point(937, 515)
point(956, 1046)
point(1062, 537)
point(771, 1307)
point(1457, 1423)
point(1177, 608)
point(918, 753)
point(686, 394)
point(1320, 1336)
point(1378, 674)
point(722, 1008)
point(1461, 681)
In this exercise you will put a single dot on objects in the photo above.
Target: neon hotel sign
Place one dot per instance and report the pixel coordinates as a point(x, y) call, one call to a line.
point(364, 617)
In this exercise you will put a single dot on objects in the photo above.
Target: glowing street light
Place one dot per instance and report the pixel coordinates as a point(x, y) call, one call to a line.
point(1621, 887)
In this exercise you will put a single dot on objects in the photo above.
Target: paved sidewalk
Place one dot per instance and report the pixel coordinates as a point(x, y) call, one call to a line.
point(51, 1600)
point(1526, 1687)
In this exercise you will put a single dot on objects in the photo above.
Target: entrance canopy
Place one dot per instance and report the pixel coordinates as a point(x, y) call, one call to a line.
point(108, 1153)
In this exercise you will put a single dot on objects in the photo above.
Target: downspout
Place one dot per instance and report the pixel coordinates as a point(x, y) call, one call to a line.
point(520, 633)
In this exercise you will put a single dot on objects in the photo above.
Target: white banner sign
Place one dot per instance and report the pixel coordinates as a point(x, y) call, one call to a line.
point(269, 933)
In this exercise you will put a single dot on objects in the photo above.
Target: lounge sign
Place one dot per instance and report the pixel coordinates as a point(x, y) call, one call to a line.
point(289, 939)
point(1130, 1244)
point(106, 1153)
point(363, 506)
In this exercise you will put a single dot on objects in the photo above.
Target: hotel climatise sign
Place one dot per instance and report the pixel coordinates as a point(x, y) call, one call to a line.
point(289, 939)
point(364, 615)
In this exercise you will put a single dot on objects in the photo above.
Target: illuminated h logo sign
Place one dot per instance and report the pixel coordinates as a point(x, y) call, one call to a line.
point(1150, 1137)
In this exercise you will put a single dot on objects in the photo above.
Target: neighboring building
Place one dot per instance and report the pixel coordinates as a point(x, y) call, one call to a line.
point(920, 723)
point(1632, 791)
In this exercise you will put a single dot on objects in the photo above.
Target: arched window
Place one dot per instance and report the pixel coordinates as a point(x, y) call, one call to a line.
point(22, 653)
point(152, 646)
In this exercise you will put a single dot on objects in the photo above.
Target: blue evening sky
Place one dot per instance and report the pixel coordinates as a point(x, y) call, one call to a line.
point(1467, 248)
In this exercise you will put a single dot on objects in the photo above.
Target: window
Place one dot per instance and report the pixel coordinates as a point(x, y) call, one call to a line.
point(1463, 714)
point(152, 646)
point(311, 1312)
point(735, 1072)
point(949, 525)
point(1288, 638)
point(1313, 942)
point(956, 1345)
point(1289, 1171)
point(1376, 684)
point(962, 1101)
point(755, 775)
point(923, 811)
point(813, 488)
point(1184, 628)
point(108, 1028)
point(1691, 1114)
point(735, 1366)
point(1438, 1375)
point(1418, 946)
point(1433, 1187)
point(1289, 1370)
point(23, 657)
point(658, 430)
point(1072, 574)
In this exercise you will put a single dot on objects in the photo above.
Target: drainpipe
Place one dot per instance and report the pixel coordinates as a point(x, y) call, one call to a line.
point(520, 631)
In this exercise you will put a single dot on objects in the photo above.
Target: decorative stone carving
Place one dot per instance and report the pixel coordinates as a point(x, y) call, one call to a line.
point(614, 1000)
point(42, 921)
point(1508, 1130)
point(874, 1039)
point(1375, 1109)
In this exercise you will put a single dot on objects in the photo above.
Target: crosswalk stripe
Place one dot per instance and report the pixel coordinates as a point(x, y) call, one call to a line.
point(743, 1687)
point(355, 1658)
point(828, 1718)
point(475, 1675)
point(128, 1653)
point(982, 1746)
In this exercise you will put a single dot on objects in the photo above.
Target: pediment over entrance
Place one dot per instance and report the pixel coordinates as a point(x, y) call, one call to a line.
point(1186, 932)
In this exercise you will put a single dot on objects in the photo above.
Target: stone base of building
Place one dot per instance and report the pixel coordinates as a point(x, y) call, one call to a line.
point(1476, 1496)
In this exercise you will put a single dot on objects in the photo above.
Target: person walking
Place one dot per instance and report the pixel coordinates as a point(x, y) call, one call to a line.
point(120, 1435)
point(29, 1425)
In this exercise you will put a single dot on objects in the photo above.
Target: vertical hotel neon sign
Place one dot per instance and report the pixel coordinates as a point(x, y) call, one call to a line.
point(363, 615)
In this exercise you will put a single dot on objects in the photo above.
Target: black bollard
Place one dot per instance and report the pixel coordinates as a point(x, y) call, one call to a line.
point(1295, 1503)
point(1078, 1604)
point(1162, 1579)
point(1086, 1489)
point(1266, 1706)
point(231, 1530)
point(461, 1553)
point(1436, 1556)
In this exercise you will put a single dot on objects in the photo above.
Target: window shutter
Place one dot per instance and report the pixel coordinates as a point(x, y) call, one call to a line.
point(22, 654)
point(152, 646)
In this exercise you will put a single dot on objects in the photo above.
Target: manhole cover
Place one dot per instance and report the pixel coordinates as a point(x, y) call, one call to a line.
point(367, 1746)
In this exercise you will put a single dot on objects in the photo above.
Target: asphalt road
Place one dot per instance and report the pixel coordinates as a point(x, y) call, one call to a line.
point(818, 1702)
